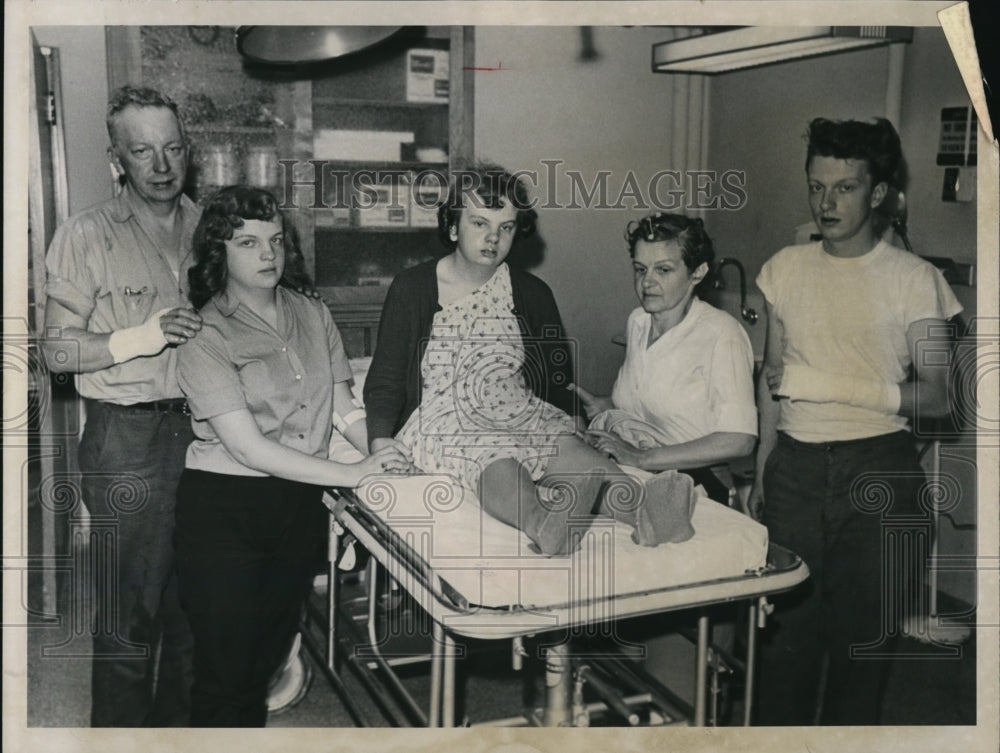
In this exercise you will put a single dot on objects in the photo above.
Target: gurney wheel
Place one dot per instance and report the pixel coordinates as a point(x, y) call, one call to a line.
point(290, 684)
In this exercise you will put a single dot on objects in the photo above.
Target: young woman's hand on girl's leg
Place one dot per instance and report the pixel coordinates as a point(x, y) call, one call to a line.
point(382, 443)
point(386, 460)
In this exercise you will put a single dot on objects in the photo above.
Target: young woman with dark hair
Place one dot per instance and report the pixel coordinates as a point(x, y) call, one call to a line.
point(265, 384)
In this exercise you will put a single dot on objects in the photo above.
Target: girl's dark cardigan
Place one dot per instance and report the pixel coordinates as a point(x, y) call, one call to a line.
point(392, 387)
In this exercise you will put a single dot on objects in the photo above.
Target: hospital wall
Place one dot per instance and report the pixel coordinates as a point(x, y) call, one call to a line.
point(606, 114)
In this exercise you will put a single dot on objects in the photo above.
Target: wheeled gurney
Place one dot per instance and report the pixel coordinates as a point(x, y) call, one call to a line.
point(475, 577)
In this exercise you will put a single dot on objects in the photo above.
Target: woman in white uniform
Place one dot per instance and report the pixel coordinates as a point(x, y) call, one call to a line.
point(684, 397)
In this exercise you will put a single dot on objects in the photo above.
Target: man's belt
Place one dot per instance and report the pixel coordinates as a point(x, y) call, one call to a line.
point(176, 405)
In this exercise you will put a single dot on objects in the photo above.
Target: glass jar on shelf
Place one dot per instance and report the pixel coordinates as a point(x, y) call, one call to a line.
point(261, 166)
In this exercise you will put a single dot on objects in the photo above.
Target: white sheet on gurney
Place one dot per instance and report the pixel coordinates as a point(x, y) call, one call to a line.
point(491, 565)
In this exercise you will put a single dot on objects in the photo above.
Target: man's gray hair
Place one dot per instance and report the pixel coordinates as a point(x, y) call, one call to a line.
point(137, 96)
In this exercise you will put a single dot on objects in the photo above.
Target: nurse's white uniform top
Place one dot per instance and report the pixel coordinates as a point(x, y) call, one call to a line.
point(695, 379)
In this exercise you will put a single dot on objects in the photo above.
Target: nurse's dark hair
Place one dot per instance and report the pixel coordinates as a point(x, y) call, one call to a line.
point(689, 232)
point(137, 96)
point(875, 142)
point(223, 214)
point(495, 186)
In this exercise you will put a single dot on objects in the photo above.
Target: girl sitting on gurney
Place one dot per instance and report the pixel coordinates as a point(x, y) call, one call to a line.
point(263, 379)
point(470, 367)
point(684, 396)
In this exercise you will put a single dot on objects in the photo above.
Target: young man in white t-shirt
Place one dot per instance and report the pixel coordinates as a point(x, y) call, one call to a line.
point(837, 469)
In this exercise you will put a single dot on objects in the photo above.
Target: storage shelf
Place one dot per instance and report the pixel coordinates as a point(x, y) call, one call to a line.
point(227, 128)
point(321, 101)
point(343, 230)
point(358, 165)
point(356, 295)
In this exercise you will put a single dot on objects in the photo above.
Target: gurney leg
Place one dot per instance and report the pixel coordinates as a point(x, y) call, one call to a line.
point(751, 663)
point(333, 551)
point(557, 682)
point(373, 641)
point(437, 648)
point(701, 671)
point(448, 711)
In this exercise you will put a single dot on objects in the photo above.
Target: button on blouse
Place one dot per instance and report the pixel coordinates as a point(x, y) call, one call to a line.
point(283, 376)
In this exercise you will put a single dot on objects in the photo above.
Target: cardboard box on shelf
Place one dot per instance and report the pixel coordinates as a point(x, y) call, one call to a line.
point(375, 146)
point(337, 210)
point(383, 205)
point(335, 217)
point(425, 197)
point(427, 75)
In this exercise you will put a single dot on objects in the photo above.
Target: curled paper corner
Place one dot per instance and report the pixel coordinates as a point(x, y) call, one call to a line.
point(957, 26)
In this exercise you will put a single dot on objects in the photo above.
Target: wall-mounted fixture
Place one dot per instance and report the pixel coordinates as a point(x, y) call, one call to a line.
point(957, 153)
point(588, 50)
point(730, 49)
point(748, 314)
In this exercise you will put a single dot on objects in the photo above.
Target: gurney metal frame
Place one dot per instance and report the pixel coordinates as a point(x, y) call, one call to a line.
point(444, 604)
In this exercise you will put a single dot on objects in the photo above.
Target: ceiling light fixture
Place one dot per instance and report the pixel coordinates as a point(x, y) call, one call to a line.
point(749, 46)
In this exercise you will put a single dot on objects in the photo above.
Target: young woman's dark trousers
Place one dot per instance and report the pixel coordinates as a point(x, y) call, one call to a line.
point(247, 551)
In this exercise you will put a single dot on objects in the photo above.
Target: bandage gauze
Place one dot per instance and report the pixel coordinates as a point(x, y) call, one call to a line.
point(147, 339)
point(341, 423)
point(815, 386)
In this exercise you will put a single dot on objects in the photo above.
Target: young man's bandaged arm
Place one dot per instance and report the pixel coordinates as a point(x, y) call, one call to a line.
point(799, 382)
point(926, 393)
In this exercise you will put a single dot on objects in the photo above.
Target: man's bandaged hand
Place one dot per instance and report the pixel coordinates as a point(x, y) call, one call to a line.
point(814, 386)
point(147, 339)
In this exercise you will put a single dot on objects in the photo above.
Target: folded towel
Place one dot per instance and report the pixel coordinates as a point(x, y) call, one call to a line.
point(636, 431)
